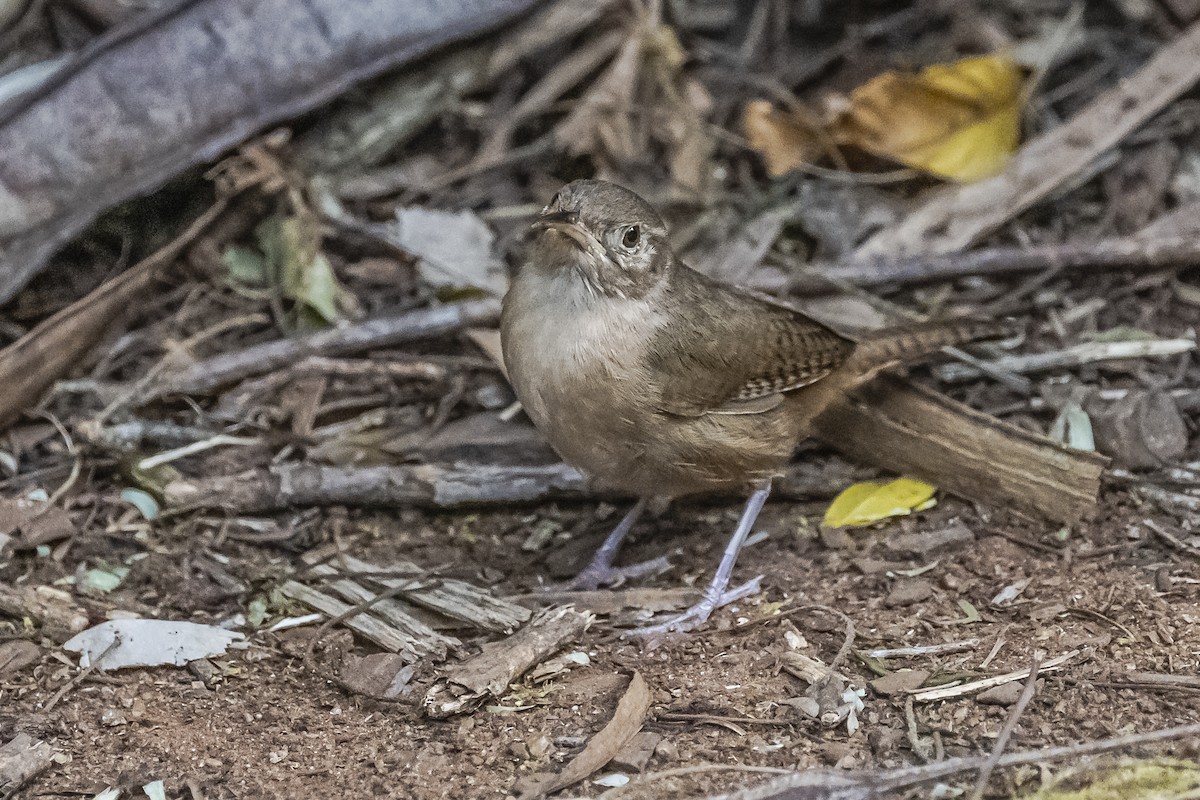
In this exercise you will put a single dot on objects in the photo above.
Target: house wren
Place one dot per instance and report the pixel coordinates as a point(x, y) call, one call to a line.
point(656, 380)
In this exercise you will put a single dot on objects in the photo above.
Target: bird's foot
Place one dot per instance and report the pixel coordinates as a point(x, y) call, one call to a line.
point(595, 575)
point(698, 614)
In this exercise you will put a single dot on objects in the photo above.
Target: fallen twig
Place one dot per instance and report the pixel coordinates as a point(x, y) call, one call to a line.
point(1168, 500)
point(1130, 252)
point(1010, 724)
point(960, 689)
point(212, 373)
point(1171, 539)
point(842, 785)
point(422, 485)
point(1076, 356)
point(924, 650)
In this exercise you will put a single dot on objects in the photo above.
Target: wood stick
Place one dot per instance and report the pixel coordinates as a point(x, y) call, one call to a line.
point(467, 685)
point(918, 432)
point(213, 373)
point(867, 785)
point(422, 485)
point(906, 270)
point(1075, 356)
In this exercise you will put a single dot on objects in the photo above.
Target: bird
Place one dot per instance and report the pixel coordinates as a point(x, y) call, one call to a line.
point(660, 382)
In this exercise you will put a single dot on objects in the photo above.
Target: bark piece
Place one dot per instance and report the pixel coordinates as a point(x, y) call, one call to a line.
point(455, 599)
point(921, 433)
point(22, 759)
point(467, 685)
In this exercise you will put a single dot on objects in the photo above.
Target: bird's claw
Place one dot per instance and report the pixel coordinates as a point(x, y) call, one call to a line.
point(698, 614)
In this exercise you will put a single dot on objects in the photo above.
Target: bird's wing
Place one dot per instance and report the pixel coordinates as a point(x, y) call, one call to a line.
point(729, 352)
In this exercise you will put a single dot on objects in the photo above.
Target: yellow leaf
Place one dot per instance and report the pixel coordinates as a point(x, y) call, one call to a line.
point(783, 140)
point(959, 120)
point(869, 502)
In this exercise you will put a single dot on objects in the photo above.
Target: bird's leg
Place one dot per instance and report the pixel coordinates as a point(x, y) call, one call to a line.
point(716, 595)
point(600, 570)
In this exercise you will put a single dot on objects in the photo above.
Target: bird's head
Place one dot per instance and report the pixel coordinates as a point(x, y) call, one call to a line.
point(608, 236)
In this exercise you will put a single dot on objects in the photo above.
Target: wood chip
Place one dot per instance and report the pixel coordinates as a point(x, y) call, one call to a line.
point(455, 599)
point(603, 747)
point(499, 664)
point(364, 624)
point(424, 641)
point(21, 760)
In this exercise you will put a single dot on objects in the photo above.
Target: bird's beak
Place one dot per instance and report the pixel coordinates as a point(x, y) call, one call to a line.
point(566, 223)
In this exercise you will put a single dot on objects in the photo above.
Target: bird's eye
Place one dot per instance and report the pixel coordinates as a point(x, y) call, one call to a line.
point(630, 237)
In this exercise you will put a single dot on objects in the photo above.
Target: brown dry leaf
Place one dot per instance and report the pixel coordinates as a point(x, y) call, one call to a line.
point(626, 722)
point(783, 139)
point(959, 120)
point(601, 121)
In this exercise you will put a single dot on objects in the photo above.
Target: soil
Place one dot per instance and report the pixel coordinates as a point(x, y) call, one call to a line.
point(270, 726)
point(1118, 596)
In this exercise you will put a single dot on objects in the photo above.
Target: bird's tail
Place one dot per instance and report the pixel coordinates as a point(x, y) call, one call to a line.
point(893, 346)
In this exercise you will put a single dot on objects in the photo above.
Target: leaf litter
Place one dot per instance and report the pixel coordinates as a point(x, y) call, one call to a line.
point(659, 128)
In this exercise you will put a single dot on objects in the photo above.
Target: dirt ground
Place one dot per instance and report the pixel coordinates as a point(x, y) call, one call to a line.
point(268, 726)
point(1110, 604)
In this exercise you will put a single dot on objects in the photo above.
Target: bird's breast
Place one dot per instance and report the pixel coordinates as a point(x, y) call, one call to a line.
point(578, 365)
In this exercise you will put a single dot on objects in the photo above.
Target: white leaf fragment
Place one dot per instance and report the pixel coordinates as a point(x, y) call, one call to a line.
point(455, 248)
point(148, 643)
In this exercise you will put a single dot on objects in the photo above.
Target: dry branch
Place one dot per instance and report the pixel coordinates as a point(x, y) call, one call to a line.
point(919, 432)
point(1105, 254)
point(213, 373)
point(843, 785)
point(1076, 356)
point(424, 485)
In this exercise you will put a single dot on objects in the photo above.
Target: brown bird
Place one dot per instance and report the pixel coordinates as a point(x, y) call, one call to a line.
point(656, 380)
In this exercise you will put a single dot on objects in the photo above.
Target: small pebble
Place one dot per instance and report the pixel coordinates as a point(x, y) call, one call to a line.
point(908, 592)
point(900, 682)
point(1003, 695)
